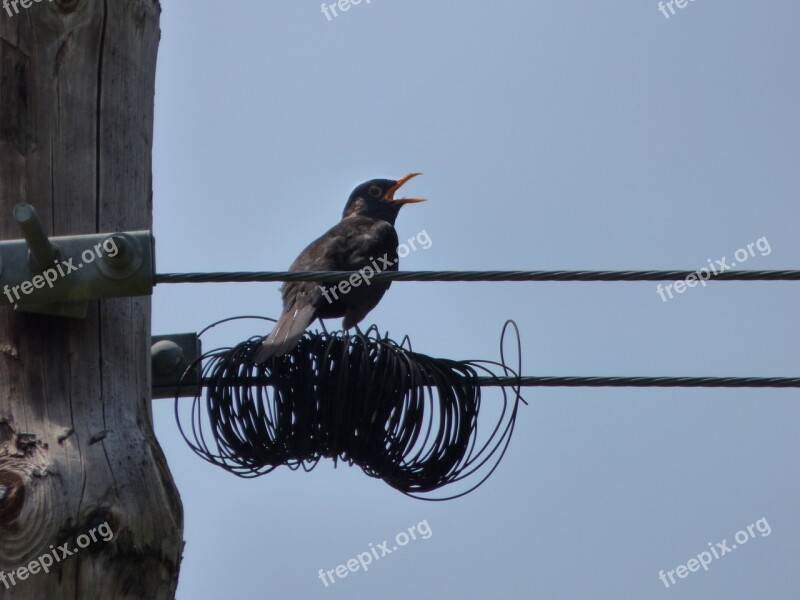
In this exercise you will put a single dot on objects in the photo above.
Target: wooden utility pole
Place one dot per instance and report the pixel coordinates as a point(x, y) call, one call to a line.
point(77, 447)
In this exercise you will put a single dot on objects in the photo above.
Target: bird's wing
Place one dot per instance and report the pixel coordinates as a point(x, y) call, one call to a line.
point(369, 247)
point(352, 244)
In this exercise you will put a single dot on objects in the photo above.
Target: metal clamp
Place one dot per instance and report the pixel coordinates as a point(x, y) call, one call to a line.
point(58, 276)
point(172, 355)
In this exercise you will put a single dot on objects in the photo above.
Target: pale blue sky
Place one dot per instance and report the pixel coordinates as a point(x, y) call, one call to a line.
point(551, 135)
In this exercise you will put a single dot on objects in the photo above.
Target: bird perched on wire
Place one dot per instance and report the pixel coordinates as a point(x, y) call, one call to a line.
point(364, 240)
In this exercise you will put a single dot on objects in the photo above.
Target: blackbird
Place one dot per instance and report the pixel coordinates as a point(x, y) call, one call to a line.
point(364, 240)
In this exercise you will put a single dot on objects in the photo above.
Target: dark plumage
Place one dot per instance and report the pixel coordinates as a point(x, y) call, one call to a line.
point(365, 238)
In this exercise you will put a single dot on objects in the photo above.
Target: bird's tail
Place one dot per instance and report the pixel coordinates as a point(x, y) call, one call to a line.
point(286, 333)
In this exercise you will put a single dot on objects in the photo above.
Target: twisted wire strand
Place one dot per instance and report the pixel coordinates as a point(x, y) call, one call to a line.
point(602, 381)
point(334, 276)
point(401, 416)
point(646, 382)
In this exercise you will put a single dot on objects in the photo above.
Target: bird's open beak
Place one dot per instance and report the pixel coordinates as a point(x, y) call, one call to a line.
point(398, 184)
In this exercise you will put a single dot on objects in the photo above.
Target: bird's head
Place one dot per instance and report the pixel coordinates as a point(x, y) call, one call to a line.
point(375, 198)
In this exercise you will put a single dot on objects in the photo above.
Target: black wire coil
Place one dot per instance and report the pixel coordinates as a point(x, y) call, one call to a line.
point(404, 417)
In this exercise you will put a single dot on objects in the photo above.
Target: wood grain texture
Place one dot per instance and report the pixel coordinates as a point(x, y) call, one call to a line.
point(77, 447)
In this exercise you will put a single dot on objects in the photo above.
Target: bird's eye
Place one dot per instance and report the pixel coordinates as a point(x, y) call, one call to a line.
point(374, 191)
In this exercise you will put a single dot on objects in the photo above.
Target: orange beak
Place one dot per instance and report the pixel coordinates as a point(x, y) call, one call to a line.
point(401, 201)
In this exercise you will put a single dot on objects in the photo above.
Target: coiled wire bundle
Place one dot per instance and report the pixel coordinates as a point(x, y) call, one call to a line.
point(404, 417)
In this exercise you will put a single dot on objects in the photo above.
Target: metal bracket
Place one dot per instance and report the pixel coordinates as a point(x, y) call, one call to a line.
point(58, 276)
point(172, 354)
